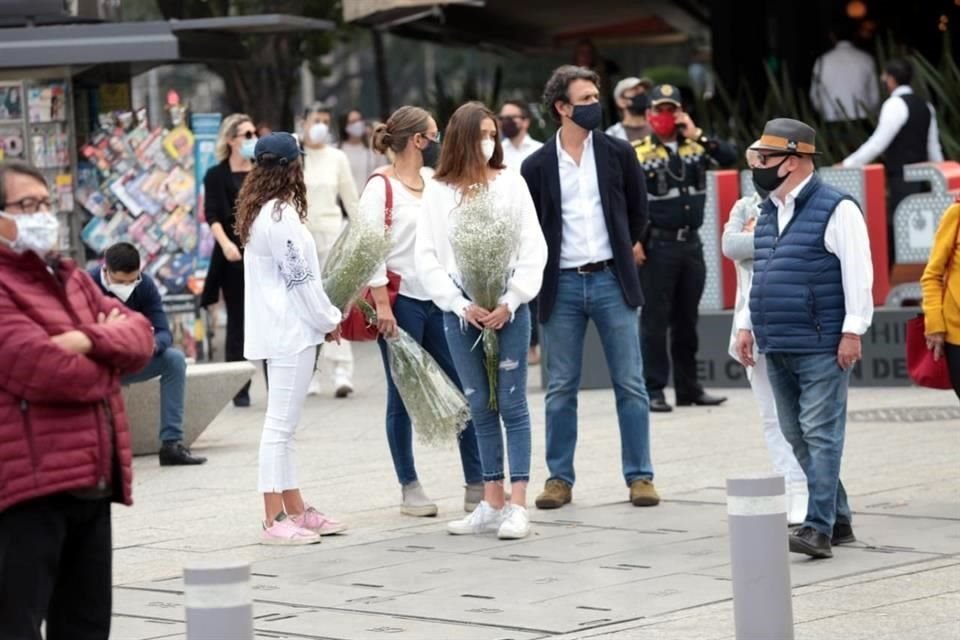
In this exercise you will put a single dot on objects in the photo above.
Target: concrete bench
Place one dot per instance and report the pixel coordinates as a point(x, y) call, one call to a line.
point(210, 387)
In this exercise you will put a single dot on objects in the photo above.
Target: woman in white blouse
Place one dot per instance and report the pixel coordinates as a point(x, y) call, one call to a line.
point(472, 155)
point(412, 135)
point(327, 174)
point(287, 315)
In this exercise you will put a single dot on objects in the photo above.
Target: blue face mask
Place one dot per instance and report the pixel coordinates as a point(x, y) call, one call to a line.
point(247, 148)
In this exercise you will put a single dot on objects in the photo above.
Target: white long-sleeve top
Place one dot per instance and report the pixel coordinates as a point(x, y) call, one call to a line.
point(436, 264)
point(845, 237)
point(285, 307)
point(407, 209)
point(327, 174)
point(893, 115)
point(737, 245)
point(844, 83)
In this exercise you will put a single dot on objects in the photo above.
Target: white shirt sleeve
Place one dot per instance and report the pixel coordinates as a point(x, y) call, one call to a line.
point(430, 269)
point(524, 284)
point(371, 211)
point(289, 248)
point(346, 187)
point(846, 237)
point(934, 151)
point(893, 115)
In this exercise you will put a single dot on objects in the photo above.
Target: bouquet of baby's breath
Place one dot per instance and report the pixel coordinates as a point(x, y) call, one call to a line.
point(438, 410)
point(360, 248)
point(485, 237)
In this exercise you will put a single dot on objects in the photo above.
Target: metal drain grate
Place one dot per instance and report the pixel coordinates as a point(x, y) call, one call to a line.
point(906, 414)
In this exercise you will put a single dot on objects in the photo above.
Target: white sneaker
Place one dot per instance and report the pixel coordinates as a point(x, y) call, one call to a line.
point(516, 523)
point(797, 499)
point(343, 387)
point(315, 387)
point(484, 519)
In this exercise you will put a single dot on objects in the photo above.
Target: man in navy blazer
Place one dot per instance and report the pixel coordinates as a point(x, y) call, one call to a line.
point(592, 203)
point(121, 278)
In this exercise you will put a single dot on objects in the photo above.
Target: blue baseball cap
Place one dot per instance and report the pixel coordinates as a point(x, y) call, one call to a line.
point(282, 146)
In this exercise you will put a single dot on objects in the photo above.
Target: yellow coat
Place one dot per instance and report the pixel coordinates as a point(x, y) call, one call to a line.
point(942, 310)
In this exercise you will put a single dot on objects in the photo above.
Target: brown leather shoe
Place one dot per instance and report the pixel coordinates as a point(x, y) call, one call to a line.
point(643, 494)
point(556, 493)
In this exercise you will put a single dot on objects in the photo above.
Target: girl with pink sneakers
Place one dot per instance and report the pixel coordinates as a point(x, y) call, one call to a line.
point(287, 315)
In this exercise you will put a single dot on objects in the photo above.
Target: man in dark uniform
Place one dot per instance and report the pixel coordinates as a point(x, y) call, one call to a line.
point(675, 159)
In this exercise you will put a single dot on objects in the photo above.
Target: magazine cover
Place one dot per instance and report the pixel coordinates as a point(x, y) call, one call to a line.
point(11, 143)
point(11, 101)
point(46, 102)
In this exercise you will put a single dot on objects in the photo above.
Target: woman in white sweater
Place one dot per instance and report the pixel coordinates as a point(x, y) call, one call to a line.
point(327, 174)
point(411, 134)
point(737, 245)
point(471, 155)
point(287, 315)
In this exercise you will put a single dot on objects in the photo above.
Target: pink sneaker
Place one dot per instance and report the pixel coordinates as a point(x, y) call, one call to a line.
point(284, 531)
point(319, 523)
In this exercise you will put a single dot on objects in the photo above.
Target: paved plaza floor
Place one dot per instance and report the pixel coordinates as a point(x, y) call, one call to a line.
point(598, 568)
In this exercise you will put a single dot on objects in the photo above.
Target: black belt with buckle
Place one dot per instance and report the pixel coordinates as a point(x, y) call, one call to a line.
point(683, 234)
point(591, 267)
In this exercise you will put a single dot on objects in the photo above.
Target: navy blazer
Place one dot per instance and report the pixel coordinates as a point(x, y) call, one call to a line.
point(623, 194)
point(145, 299)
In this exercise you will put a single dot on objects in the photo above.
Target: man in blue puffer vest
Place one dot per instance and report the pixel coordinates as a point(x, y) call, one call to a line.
point(811, 301)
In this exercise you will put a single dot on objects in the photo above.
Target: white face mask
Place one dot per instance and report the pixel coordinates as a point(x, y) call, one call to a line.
point(37, 232)
point(487, 147)
point(356, 129)
point(122, 291)
point(318, 133)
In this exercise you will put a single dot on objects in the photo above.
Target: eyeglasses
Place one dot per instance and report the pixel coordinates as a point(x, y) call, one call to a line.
point(763, 157)
point(30, 205)
point(249, 135)
point(433, 139)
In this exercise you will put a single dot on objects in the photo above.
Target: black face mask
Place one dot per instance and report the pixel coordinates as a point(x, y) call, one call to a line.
point(766, 180)
point(431, 153)
point(509, 128)
point(639, 104)
point(587, 116)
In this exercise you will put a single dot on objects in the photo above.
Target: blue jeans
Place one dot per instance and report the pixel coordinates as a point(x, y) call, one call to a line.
point(811, 395)
point(514, 339)
point(171, 367)
point(594, 296)
point(424, 322)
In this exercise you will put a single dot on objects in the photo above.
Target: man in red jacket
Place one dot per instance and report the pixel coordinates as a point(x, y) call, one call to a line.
point(64, 440)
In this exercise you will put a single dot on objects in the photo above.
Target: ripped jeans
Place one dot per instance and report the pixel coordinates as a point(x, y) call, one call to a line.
point(514, 341)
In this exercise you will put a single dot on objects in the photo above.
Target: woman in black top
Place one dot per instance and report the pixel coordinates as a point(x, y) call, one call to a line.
point(221, 185)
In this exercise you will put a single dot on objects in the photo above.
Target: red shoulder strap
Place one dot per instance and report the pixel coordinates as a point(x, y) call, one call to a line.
point(388, 200)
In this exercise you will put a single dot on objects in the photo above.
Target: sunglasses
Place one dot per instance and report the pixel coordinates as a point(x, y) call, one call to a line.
point(249, 135)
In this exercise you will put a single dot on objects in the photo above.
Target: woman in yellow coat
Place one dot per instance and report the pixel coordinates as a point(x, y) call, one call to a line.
point(941, 293)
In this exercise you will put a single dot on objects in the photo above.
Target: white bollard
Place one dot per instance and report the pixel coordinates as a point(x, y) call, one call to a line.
point(219, 602)
point(759, 563)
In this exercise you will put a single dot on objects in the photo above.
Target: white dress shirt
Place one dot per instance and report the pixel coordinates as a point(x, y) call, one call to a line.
point(437, 265)
point(585, 238)
point(845, 237)
point(844, 83)
point(513, 156)
point(286, 309)
point(407, 209)
point(893, 115)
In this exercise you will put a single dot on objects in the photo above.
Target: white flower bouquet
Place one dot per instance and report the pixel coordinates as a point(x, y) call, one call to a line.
point(359, 249)
point(485, 237)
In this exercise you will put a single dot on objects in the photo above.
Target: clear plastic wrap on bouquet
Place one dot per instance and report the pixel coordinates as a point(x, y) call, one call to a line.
point(353, 260)
point(438, 410)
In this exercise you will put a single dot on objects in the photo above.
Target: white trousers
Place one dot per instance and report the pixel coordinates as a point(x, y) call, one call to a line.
point(781, 453)
point(339, 355)
point(286, 393)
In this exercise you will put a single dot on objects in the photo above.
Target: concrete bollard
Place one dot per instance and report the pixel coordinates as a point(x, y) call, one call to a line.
point(219, 602)
point(759, 564)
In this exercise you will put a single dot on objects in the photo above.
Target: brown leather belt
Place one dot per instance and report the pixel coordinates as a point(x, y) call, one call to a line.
point(591, 267)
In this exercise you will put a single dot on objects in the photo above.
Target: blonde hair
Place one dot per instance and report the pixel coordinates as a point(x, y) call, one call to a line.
point(228, 131)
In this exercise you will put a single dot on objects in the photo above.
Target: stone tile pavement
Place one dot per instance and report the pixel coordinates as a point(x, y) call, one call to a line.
point(596, 569)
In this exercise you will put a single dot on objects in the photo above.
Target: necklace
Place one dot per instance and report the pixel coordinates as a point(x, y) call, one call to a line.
point(401, 181)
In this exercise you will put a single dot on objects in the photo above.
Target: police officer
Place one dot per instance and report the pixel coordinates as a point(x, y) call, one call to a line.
point(675, 159)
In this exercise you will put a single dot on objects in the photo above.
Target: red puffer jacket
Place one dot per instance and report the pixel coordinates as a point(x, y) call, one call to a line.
point(57, 408)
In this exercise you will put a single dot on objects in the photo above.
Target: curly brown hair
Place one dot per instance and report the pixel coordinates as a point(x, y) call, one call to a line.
point(270, 180)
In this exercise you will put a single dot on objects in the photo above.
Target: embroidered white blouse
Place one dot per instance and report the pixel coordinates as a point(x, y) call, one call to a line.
point(286, 309)
point(437, 266)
